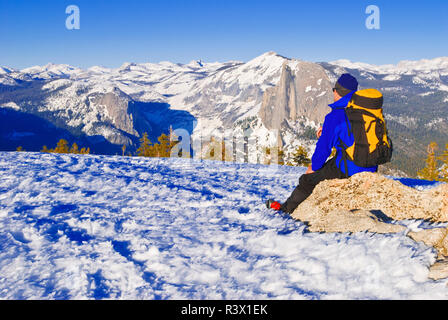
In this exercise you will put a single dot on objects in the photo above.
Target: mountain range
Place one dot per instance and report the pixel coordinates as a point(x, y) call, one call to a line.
point(271, 99)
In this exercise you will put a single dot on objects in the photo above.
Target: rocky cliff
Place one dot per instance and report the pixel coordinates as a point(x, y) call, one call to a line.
point(304, 91)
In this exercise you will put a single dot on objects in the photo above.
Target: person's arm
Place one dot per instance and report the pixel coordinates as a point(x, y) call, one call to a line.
point(318, 134)
point(309, 170)
point(324, 145)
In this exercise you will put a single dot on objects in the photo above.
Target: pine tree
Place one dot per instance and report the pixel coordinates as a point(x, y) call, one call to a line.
point(273, 155)
point(61, 147)
point(444, 170)
point(300, 157)
point(145, 146)
point(164, 146)
point(46, 150)
point(280, 156)
point(226, 155)
point(74, 149)
point(216, 150)
point(430, 171)
point(85, 151)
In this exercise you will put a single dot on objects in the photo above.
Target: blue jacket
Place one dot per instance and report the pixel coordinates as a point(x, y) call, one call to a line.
point(335, 128)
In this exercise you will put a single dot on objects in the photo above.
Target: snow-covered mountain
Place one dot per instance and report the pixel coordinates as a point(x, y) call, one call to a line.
point(206, 99)
point(436, 67)
point(106, 227)
point(106, 108)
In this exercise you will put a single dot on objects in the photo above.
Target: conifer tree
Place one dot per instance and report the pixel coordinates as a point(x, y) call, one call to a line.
point(61, 147)
point(85, 151)
point(430, 171)
point(164, 147)
point(444, 170)
point(216, 150)
point(74, 149)
point(46, 150)
point(145, 146)
point(280, 156)
point(273, 155)
point(300, 157)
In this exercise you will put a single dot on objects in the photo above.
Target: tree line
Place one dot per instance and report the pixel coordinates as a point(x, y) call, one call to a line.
point(62, 147)
point(215, 150)
point(436, 168)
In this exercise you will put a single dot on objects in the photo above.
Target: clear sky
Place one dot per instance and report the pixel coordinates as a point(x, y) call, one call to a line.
point(33, 32)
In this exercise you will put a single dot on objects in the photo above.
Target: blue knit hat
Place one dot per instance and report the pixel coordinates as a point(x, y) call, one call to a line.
point(348, 82)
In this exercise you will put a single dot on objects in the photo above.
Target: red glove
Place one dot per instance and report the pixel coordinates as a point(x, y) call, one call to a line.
point(276, 206)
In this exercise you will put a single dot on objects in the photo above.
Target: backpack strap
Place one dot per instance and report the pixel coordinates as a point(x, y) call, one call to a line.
point(344, 157)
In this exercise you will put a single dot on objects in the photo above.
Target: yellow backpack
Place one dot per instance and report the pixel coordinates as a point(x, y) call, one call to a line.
point(372, 146)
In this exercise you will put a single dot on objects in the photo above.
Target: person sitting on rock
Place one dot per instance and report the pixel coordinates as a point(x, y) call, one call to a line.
point(334, 130)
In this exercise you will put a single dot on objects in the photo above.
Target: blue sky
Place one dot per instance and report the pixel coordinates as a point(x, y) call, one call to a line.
point(114, 31)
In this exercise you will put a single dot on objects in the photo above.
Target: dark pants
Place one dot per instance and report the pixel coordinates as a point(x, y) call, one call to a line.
point(308, 182)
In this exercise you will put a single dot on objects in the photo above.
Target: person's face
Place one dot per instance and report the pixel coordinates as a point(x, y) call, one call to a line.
point(336, 95)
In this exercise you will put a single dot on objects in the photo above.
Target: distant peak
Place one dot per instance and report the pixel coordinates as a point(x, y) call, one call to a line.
point(402, 66)
point(273, 54)
point(268, 58)
point(127, 65)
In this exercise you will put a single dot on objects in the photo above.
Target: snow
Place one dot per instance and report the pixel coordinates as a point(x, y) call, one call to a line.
point(56, 84)
point(426, 72)
point(392, 77)
point(97, 227)
point(434, 123)
point(5, 70)
point(52, 70)
point(427, 66)
point(10, 105)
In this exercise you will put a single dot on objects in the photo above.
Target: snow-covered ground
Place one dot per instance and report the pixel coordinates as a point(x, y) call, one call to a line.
point(96, 227)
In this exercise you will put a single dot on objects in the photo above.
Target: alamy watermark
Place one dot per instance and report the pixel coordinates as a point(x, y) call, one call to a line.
point(73, 21)
point(373, 20)
point(240, 146)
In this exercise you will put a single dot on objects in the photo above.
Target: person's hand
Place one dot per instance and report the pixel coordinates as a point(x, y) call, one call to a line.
point(319, 132)
point(310, 170)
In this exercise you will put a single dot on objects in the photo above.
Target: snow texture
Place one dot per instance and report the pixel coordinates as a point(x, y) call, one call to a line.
point(97, 227)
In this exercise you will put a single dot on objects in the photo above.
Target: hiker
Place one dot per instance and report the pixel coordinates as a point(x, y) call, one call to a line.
point(335, 132)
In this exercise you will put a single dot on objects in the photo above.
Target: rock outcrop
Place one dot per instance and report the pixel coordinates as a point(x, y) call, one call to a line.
point(374, 203)
point(437, 238)
point(374, 192)
point(115, 106)
point(304, 90)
